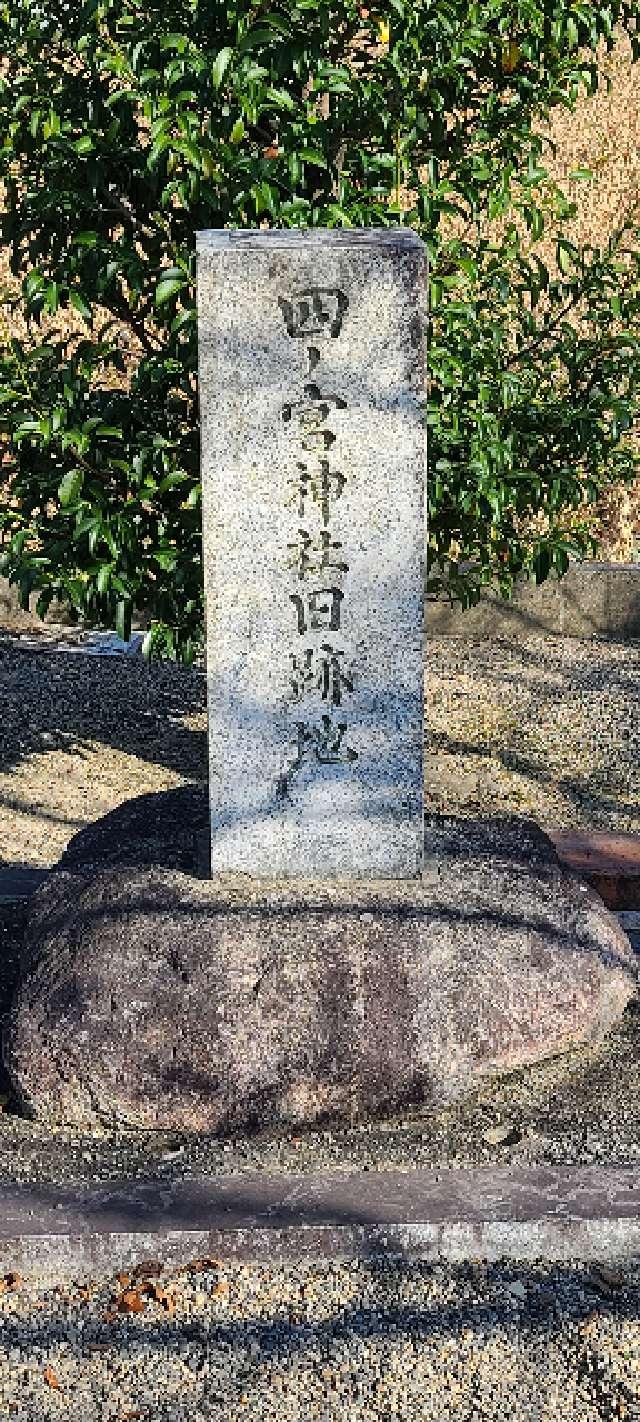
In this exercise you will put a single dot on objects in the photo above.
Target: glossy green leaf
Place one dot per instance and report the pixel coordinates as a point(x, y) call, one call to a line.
point(165, 290)
point(157, 122)
point(76, 299)
point(70, 488)
point(220, 65)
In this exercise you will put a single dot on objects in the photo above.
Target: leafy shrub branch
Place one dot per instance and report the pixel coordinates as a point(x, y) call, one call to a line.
point(126, 127)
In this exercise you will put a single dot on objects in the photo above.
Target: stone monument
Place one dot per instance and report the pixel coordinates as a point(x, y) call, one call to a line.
point(324, 972)
point(313, 450)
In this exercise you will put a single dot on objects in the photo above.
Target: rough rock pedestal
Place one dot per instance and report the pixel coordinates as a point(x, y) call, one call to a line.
point(151, 998)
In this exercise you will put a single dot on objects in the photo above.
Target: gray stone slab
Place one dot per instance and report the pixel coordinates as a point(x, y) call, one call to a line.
point(629, 920)
point(623, 598)
point(547, 1212)
point(313, 450)
point(532, 610)
point(585, 600)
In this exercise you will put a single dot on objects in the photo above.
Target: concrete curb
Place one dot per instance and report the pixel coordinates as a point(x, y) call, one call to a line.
point(554, 1213)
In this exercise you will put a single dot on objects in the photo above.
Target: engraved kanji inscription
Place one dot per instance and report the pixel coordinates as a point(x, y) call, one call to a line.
point(317, 484)
point(317, 441)
point(316, 488)
point(321, 671)
point(324, 741)
point(316, 555)
point(310, 416)
point(319, 609)
point(314, 409)
point(315, 311)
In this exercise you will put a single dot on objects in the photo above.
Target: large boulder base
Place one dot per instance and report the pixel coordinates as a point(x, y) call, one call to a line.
point(150, 998)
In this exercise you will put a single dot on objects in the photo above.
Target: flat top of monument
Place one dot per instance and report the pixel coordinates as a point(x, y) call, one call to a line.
point(225, 237)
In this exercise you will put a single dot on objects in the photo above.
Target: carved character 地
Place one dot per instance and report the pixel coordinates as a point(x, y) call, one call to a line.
point(324, 741)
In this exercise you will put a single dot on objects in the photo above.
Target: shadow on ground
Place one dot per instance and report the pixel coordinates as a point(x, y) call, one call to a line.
point(405, 1330)
point(51, 702)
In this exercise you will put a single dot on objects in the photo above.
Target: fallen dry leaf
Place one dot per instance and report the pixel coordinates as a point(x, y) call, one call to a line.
point(123, 1280)
point(605, 1278)
point(221, 1287)
point(503, 1134)
point(159, 1295)
point(12, 1279)
point(615, 1277)
point(131, 1301)
point(51, 1378)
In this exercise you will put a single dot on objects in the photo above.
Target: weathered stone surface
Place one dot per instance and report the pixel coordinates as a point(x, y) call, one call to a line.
point(149, 997)
point(313, 449)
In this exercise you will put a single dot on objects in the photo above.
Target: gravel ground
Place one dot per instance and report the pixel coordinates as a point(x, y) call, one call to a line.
point(370, 1340)
point(547, 727)
point(80, 734)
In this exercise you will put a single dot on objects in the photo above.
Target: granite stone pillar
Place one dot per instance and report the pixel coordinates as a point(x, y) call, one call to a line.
point(313, 453)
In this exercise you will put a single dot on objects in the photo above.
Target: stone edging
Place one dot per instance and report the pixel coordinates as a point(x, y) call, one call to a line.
point(554, 1213)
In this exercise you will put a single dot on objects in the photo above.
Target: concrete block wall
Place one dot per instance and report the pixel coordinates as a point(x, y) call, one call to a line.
point(593, 599)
